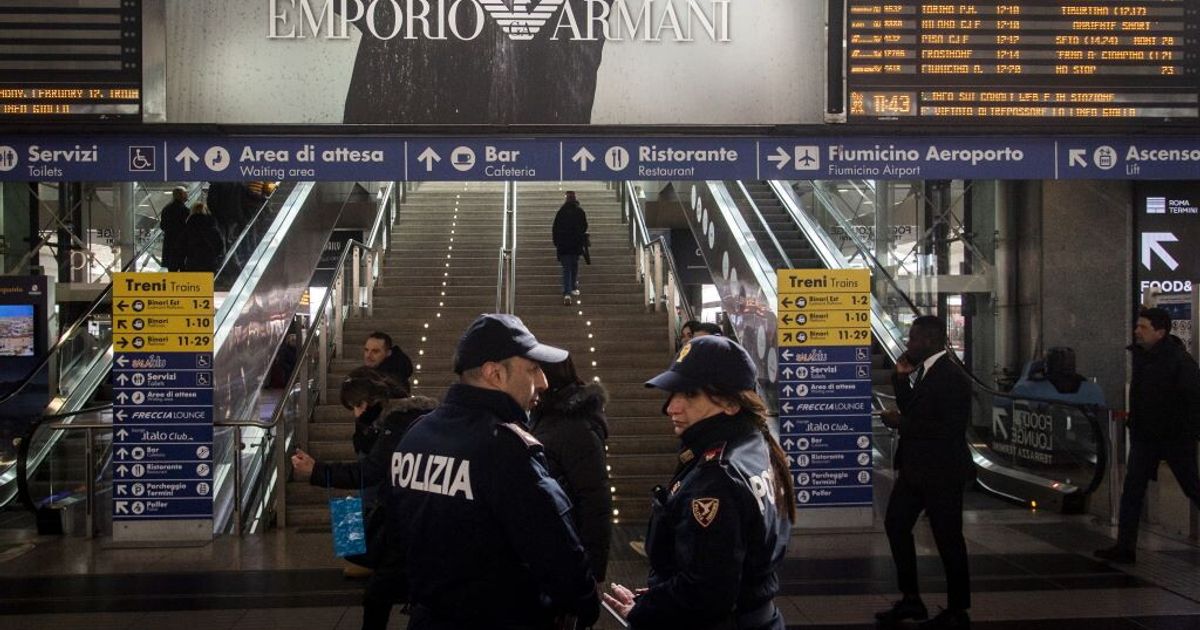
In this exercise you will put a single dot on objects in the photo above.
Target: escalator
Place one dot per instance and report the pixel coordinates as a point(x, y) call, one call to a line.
point(1044, 452)
point(64, 453)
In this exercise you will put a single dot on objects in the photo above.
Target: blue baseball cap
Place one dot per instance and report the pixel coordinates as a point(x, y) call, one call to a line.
point(709, 360)
point(496, 337)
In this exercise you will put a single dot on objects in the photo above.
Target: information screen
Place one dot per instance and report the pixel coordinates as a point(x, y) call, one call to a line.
point(1072, 60)
point(71, 60)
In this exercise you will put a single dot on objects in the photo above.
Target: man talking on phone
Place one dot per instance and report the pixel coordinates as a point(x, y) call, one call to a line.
point(933, 469)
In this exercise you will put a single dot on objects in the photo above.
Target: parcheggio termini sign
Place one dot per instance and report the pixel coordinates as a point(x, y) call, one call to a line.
point(520, 20)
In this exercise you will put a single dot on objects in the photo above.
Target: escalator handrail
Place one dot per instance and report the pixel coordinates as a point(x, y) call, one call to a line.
point(787, 260)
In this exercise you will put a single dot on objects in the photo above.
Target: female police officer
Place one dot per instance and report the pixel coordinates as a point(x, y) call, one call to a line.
point(720, 530)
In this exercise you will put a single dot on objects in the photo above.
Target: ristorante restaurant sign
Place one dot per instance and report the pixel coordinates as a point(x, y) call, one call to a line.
point(520, 20)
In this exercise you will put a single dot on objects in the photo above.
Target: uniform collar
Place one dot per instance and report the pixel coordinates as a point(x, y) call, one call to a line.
point(494, 402)
point(711, 432)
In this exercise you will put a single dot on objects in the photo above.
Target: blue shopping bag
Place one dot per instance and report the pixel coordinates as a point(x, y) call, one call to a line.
point(349, 533)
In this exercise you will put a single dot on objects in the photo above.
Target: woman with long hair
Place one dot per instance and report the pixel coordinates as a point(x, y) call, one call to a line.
point(570, 423)
point(718, 533)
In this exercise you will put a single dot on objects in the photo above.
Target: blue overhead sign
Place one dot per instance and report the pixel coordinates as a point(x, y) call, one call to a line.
point(470, 159)
point(658, 158)
point(353, 158)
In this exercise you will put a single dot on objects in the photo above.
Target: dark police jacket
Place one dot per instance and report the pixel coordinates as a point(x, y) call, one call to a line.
point(933, 425)
point(716, 537)
point(1164, 395)
point(483, 532)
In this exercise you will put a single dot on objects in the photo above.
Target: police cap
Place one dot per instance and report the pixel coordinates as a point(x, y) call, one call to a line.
point(708, 360)
point(496, 337)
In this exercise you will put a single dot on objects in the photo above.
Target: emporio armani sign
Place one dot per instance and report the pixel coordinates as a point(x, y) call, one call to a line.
point(464, 20)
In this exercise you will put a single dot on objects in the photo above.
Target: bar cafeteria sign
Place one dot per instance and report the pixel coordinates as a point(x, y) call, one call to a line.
point(578, 20)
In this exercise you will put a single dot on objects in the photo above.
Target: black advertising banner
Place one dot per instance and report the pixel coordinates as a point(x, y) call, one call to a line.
point(1166, 246)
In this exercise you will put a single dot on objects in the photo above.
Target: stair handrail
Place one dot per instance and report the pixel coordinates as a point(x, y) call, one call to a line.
point(787, 260)
point(657, 249)
point(318, 331)
point(502, 263)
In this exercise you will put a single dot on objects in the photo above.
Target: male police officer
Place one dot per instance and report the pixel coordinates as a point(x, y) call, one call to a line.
point(484, 531)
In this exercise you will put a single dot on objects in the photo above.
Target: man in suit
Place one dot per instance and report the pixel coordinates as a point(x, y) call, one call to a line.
point(933, 469)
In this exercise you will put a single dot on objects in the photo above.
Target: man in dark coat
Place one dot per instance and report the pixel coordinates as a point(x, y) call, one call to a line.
point(482, 530)
point(570, 235)
point(203, 243)
point(225, 204)
point(1164, 418)
point(172, 221)
point(379, 353)
point(934, 466)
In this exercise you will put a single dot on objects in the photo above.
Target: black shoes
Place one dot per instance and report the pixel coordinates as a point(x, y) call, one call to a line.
point(1117, 554)
point(947, 620)
point(902, 610)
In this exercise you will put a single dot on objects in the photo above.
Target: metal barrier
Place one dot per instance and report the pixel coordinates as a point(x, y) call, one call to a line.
point(656, 269)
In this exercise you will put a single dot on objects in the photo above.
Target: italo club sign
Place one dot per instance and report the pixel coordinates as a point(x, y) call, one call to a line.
point(464, 20)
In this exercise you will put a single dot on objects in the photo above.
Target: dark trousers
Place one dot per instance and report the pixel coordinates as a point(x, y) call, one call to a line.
point(570, 271)
point(1141, 468)
point(942, 499)
point(384, 588)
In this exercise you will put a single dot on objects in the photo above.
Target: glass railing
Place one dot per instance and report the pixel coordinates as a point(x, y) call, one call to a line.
point(56, 458)
point(1027, 446)
point(656, 268)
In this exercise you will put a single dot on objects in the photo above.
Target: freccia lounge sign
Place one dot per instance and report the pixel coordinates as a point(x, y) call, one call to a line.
point(464, 20)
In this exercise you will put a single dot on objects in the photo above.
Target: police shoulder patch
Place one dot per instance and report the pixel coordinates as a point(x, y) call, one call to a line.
point(705, 510)
point(521, 433)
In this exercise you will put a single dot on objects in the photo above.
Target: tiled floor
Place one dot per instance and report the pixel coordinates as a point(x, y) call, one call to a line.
point(1030, 571)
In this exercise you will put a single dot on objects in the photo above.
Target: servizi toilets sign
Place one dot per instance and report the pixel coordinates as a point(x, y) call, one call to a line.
point(520, 20)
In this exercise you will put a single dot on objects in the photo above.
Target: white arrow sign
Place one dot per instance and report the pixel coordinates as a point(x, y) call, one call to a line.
point(122, 507)
point(1152, 244)
point(787, 355)
point(998, 429)
point(122, 491)
point(787, 407)
point(188, 157)
point(429, 156)
point(583, 157)
point(122, 470)
point(788, 390)
point(121, 361)
point(1077, 157)
point(122, 453)
point(122, 398)
point(781, 158)
point(120, 415)
point(122, 379)
point(122, 433)
point(788, 425)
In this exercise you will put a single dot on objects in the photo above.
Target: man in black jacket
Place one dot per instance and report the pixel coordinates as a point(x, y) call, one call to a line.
point(379, 353)
point(172, 221)
point(934, 467)
point(570, 237)
point(482, 529)
point(1164, 415)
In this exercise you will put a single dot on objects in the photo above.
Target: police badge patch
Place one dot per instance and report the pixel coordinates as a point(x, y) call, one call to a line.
point(705, 510)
